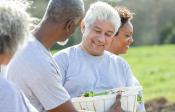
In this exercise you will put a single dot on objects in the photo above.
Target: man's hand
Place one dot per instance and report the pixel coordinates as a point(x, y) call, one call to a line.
point(116, 107)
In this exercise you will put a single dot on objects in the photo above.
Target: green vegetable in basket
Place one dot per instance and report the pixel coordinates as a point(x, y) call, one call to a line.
point(91, 93)
point(139, 99)
point(88, 94)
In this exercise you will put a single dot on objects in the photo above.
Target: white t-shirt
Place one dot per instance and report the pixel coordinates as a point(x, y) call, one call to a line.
point(82, 72)
point(12, 99)
point(33, 69)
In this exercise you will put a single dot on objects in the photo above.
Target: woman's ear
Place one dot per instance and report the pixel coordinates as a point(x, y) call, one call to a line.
point(82, 26)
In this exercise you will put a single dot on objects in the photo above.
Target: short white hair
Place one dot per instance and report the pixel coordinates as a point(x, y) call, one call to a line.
point(14, 25)
point(103, 12)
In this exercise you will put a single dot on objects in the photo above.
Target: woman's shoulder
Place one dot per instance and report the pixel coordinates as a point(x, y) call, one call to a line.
point(117, 58)
point(7, 87)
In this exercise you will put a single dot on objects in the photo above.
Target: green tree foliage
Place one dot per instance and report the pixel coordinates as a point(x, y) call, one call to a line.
point(167, 35)
point(154, 20)
point(151, 19)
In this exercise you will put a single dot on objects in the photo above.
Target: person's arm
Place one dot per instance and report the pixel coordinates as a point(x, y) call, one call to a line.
point(132, 81)
point(65, 107)
point(68, 107)
point(47, 85)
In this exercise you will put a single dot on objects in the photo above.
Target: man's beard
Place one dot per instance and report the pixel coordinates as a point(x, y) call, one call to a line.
point(62, 43)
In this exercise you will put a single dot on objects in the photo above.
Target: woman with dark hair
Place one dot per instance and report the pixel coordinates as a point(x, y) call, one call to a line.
point(123, 38)
point(122, 41)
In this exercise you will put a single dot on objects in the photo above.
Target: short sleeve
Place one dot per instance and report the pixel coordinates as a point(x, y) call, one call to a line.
point(47, 85)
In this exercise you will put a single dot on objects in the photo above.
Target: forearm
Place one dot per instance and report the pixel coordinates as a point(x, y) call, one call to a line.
point(65, 107)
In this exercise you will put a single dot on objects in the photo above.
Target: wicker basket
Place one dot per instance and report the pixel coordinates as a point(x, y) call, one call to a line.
point(104, 102)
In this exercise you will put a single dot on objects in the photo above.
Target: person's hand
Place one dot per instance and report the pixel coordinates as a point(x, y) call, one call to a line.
point(116, 107)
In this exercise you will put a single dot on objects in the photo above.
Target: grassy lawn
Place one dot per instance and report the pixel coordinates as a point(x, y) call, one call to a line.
point(154, 66)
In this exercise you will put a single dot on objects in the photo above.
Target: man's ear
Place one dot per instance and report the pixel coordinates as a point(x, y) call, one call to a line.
point(70, 25)
point(82, 26)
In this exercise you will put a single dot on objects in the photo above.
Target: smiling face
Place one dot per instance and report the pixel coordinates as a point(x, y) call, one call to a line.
point(122, 40)
point(97, 37)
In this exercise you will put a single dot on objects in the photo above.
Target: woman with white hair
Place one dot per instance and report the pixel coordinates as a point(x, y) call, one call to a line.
point(14, 24)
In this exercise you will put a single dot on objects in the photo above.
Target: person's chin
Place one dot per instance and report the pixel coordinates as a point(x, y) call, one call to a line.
point(101, 52)
point(124, 52)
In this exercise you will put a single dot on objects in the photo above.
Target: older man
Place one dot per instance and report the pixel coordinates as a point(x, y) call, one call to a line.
point(38, 74)
point(34, 70)
point(87, 66)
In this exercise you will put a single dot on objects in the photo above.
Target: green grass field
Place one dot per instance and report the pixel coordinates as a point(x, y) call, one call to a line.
point(154, 66)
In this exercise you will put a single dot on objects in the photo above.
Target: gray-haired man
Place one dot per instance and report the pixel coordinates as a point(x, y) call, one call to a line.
point(33, 68)
point(38, 74)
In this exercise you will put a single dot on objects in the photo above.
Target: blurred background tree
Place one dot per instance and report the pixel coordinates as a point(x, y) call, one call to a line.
point(154, 20)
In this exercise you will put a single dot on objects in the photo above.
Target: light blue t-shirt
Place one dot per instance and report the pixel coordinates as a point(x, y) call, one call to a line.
point(83, 72)
point(34, 70)
point(12, 99)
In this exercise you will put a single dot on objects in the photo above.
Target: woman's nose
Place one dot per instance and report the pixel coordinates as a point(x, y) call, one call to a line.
point(131, 40)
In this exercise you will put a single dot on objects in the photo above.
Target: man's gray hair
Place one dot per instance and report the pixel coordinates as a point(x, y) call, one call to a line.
point(103, 12)
point(14, 25)
point(64, 10)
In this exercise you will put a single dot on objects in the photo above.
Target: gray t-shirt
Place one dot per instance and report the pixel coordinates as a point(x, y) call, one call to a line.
point(83, 72)
point(33, 69)
point(12, 99)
